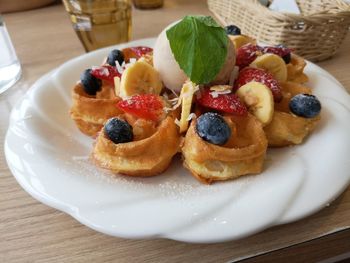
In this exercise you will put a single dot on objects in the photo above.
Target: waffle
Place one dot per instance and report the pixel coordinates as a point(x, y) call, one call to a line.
point(286, 128)
point(91, 112)
point(243, 154)
point(295, 70)
point(145, 157)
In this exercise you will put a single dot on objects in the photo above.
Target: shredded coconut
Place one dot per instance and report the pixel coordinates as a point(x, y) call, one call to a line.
point(191, 116)
point(101, 70)
point(174, 103)
point(167, 109)
point(173, 91)
point(178, 100)
point(119, 67)
point(123, 66)
point(174, 99)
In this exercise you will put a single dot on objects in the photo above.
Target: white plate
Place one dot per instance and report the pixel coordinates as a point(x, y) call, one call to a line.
point(48, 156)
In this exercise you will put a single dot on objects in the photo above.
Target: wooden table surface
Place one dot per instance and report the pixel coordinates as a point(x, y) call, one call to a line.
point(31, 231)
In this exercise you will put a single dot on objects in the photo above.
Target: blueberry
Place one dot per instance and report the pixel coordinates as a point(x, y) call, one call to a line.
point(233, 30)
point(305, 105)
point(118, 131)
point(212, 128)
point(90, 83)
point(115, 55)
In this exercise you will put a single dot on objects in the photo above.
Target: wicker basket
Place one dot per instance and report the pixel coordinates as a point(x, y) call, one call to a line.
point(315, 34)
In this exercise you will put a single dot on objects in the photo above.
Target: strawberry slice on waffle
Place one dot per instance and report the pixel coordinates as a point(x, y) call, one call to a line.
point(228, 103)
point(145, 106)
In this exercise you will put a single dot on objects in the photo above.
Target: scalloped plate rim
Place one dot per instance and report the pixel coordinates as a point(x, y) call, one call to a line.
point(69, 209)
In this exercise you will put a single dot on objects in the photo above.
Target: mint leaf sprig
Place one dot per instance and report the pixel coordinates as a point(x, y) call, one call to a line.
point(199, 45)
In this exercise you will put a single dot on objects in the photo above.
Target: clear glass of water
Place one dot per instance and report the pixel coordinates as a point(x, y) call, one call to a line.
point(10, 68)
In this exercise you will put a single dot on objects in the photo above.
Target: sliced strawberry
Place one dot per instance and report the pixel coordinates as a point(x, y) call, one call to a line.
point(229, 103)
point(246, 55)
point(105, 72)
point(259, 75)
point(145, 106)
point(135, 52)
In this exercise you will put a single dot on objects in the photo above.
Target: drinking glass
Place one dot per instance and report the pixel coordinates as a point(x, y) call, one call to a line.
point(100, 23)
point(10, 68)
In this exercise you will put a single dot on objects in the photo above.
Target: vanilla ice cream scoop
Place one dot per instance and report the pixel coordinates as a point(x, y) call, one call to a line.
point(173, 76)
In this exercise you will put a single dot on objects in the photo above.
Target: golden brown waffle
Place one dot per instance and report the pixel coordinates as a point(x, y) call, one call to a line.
point(243, 154)
point(286, 128)
point(295, 69)
point(91, 112)
point(146, 157)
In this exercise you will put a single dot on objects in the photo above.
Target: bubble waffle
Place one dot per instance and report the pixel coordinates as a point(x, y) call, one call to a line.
point(295, 69)
point(146, 157)
point(243, 154)
point(286, 128)
point(91, 112)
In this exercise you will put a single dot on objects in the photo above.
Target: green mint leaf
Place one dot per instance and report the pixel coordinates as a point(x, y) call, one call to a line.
point(199, 46)
point(208, 20)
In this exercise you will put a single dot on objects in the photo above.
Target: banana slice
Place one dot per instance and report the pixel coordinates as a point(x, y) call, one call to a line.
point(186, 96)
point(116, 86)
point(273, 64)
point(241, 40)
point(140, 78)
point(259, 100)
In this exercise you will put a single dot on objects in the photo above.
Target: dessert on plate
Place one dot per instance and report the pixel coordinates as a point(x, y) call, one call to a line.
point(94, 96)
point(93, 103)
point(206, 92)
point(141, 142)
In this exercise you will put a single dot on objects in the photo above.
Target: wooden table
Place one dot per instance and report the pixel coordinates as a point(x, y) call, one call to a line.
point(31, 231)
